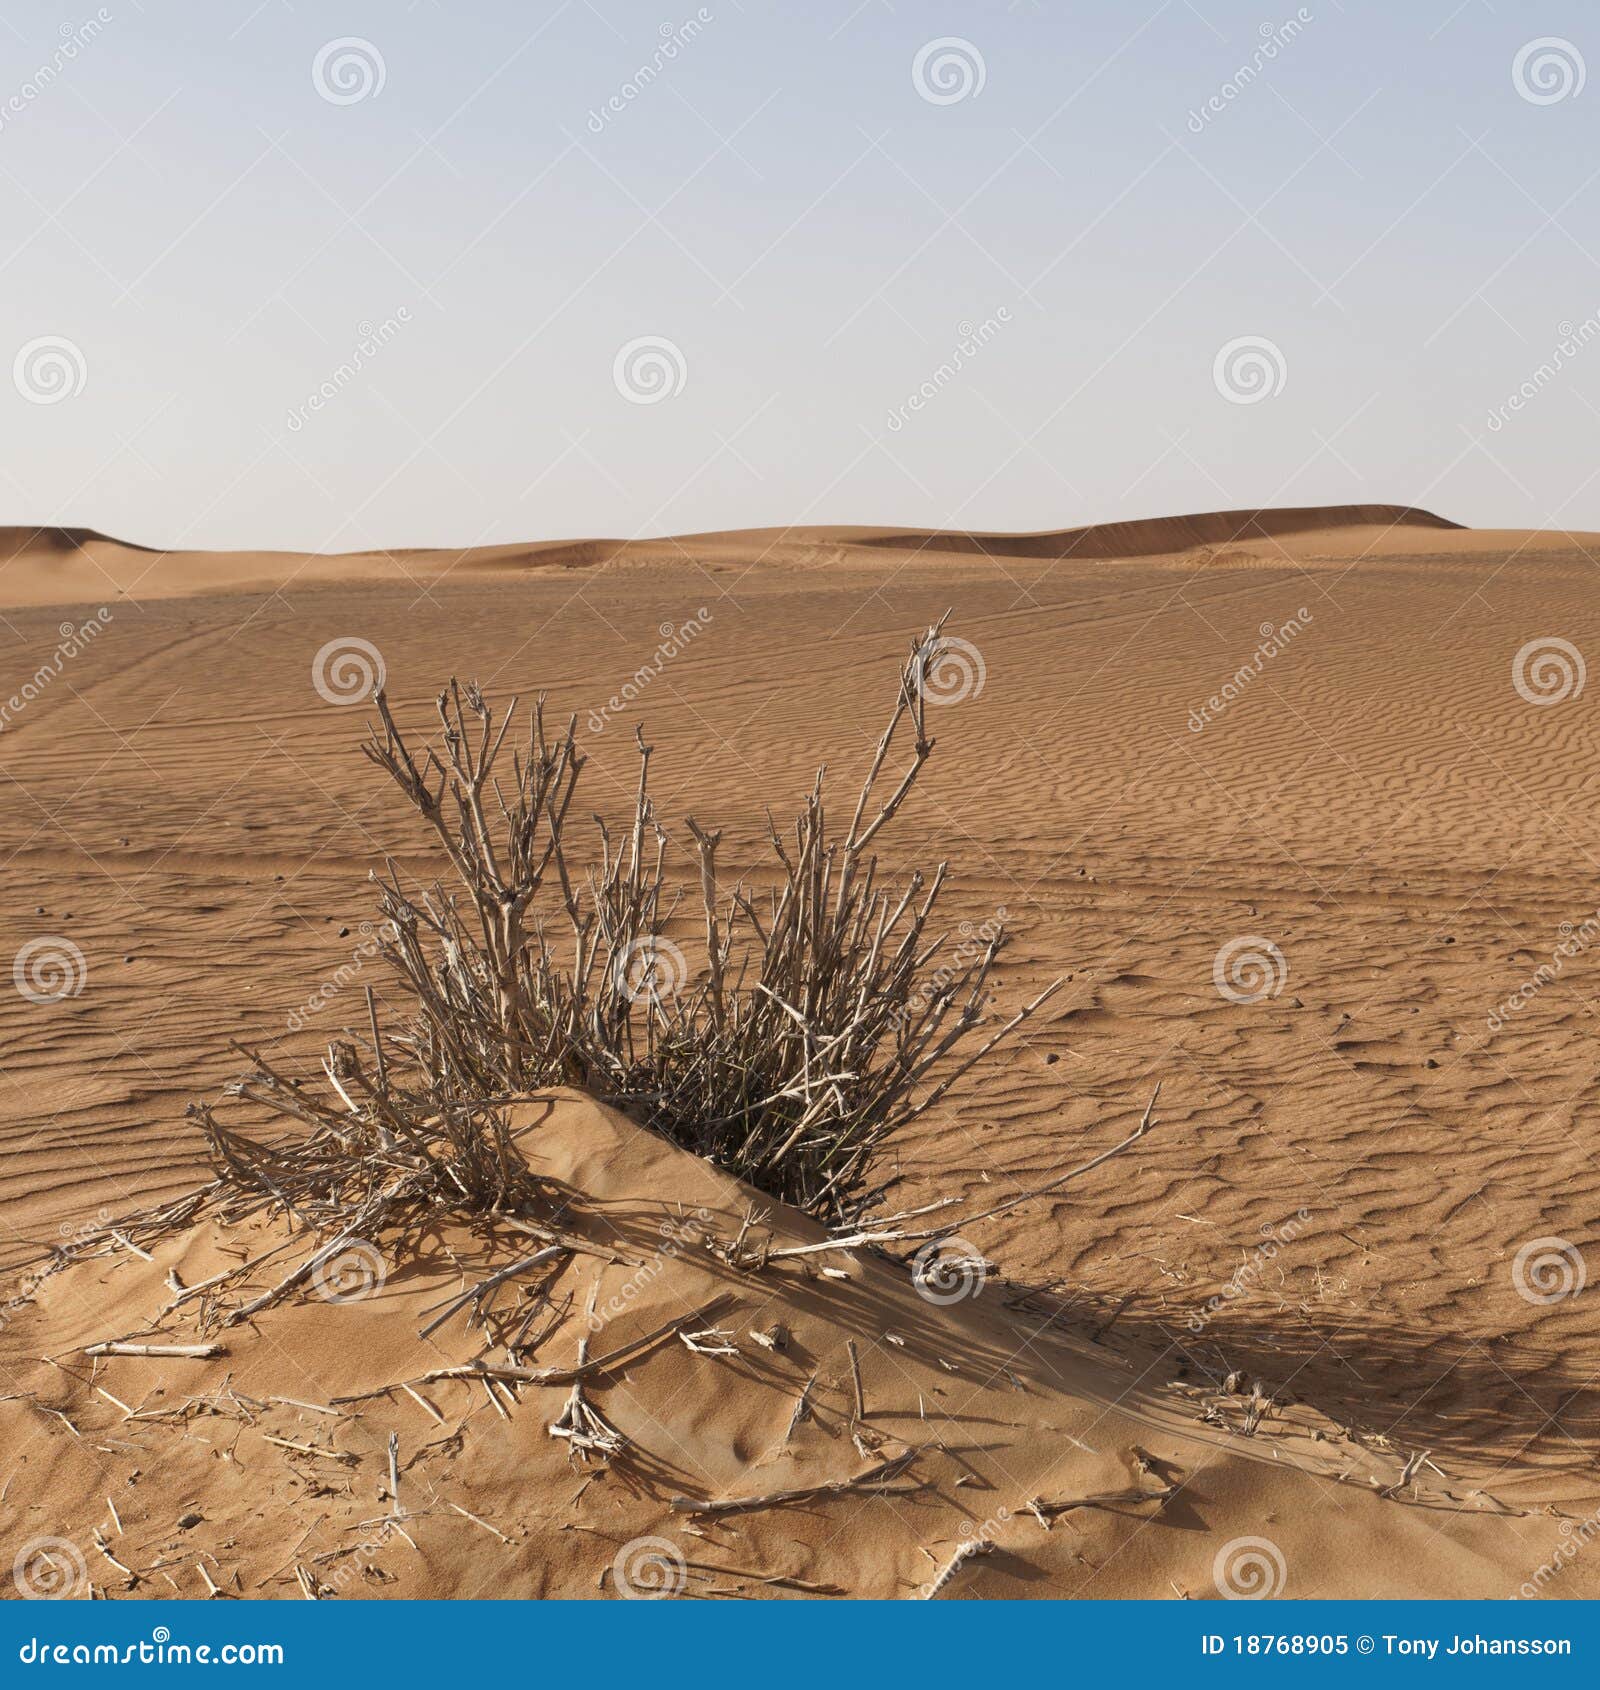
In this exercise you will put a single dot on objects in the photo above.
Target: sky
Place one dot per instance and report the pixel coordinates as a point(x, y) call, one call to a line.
point(286, 275)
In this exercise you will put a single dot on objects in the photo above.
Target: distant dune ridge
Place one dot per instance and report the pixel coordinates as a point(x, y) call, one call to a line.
point(1157, 535)
point(45, 565)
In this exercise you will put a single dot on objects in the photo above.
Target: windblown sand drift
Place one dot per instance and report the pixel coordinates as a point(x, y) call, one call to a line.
point(820, 1427)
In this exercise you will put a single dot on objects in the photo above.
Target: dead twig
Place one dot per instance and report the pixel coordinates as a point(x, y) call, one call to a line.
point(193, 1352)
point(878, 1478)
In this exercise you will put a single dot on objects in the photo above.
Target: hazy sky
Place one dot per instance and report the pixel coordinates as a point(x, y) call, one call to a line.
point(214, 206)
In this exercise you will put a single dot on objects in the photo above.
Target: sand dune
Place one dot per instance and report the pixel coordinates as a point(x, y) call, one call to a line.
point(63, 565)
point(1173, 534)
point(1006, 1424)
point(1402, 1114)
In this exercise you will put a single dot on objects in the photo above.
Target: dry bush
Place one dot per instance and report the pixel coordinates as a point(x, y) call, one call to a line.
point(821, 1017)
point(818, 1019)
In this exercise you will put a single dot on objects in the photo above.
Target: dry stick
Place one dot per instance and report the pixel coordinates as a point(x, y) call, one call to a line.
point(127, 1413)
point(1100, 1499)
point(184, 1293)
point(802, 1408)
point(194, 1352)
point(417, 1397)
point(568, 1241)
point(394, 1472)
point(294, 1554)
point(714, 1341)
point(1051, 1185)
point(100, 1544)
point(498, 1278)
point(585, 1428)
point(560, 1375)
point(310, 1449)
point(870, 1236)
point(785, 1581)
point(288, 1283)
point(1111, 1320)
point(707, 843)
point(968, 1551)
point(874, 1479)
point(377, 1042)
point(477, 1522)
point(855, 1377)
point(1413, 1464)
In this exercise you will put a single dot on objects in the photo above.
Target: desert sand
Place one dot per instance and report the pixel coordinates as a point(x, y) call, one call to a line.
point(1262, 787)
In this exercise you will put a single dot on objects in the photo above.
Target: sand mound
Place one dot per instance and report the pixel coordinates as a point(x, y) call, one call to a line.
point(1159, 536)
point(65, 565)
point(985, 1417)
point(38, 543)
